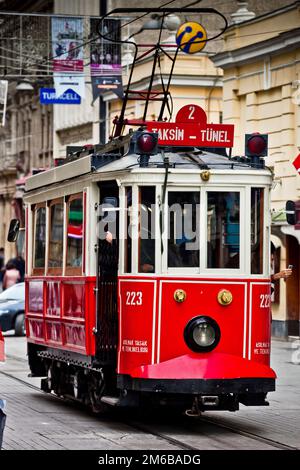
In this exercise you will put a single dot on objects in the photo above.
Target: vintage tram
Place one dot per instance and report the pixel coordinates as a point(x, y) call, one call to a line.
point(148, 265)
point(175, 307)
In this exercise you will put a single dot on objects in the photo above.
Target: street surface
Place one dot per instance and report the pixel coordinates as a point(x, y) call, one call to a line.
point(36, 420)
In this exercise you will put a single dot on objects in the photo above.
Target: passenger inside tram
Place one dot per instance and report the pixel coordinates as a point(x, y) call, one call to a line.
point(223, 230)
point(183, 229)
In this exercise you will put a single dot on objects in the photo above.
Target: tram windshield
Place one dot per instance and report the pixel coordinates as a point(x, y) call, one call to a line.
point(223, 230)
point(183, 229)
point(146, 254)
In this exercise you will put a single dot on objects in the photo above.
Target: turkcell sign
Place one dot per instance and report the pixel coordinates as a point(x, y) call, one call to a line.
point(194, 134)
point(48, 96)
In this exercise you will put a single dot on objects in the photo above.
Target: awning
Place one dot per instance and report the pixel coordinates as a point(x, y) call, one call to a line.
point(290, 230)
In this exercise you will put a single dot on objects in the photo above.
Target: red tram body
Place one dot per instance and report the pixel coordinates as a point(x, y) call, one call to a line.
point(104, 329)
point(148, 264)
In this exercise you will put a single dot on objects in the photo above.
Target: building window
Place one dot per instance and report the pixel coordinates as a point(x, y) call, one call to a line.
point(39, 249)
point(183, 229)
point(75, 234)
point(56, 231)
point(223, 230)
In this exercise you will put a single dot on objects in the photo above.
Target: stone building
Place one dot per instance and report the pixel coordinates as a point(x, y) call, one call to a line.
point(26, 139)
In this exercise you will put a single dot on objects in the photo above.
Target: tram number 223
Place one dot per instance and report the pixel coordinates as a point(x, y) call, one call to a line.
point(265, 300)
point(134, 298)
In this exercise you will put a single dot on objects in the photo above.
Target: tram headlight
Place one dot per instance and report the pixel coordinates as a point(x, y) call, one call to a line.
point(202, 334)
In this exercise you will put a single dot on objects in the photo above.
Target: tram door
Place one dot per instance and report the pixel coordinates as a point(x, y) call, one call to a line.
point(107, 274)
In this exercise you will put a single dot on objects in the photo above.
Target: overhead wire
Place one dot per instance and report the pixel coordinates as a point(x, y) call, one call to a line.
point(48, 61)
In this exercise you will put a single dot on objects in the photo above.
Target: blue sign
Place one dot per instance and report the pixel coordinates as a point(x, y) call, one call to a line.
point(48, 96)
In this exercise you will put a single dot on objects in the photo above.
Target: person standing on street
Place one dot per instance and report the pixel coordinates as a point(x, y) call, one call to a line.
point(2, 266)
point(2, 402)
point(11, 276)
point(19, 263)
point(284, 273)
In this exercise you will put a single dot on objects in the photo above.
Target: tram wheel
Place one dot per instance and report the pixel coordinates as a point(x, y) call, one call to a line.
point(96, 387)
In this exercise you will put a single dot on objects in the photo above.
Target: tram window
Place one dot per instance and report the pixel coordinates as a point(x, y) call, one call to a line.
point(257, 230)
point(128, 235)
point(183, 229)
point(74, 232)
point(223, 230)
point(146, 253)
point(39, 238)
point(56, 235)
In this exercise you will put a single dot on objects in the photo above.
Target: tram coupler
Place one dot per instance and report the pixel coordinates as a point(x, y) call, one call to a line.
point(213, 403)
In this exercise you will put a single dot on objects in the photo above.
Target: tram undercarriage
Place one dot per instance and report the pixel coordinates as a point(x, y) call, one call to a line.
point(71, 377)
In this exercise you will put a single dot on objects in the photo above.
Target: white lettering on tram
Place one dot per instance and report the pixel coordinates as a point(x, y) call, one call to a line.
point(211, 135)
point(134, 298)
point(169, 134)
point(135, 346)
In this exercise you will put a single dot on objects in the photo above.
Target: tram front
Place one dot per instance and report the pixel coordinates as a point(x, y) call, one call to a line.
point(194, 282)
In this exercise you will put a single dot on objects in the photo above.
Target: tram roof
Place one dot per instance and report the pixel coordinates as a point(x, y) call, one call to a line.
point(191, 159)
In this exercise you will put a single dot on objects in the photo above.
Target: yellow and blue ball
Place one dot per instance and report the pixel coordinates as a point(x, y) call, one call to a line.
point(191, 37)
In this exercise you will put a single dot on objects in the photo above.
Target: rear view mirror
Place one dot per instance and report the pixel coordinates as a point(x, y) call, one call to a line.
point(110, 201)
point(290, 210)
point(13, 231)
point(109, 206)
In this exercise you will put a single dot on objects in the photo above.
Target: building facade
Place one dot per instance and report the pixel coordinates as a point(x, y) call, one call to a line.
point(86, 123)
point(261, 93)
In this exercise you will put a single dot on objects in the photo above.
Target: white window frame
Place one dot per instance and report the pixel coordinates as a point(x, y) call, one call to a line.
point(182, 270)
point(244, 251)
point(266, 231)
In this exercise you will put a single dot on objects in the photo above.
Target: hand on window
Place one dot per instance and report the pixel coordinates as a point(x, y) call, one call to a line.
point(109, 237)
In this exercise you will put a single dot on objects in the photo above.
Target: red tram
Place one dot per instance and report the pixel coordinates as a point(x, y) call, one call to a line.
point(148, 270)
point(148, 317)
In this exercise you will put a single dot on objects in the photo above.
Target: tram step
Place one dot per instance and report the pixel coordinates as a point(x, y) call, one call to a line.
point(112, 401)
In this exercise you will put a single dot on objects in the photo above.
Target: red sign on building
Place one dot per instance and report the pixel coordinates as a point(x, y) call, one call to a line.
point(296, 163)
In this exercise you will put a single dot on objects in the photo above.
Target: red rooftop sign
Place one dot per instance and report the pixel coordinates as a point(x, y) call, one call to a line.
point(191, 129)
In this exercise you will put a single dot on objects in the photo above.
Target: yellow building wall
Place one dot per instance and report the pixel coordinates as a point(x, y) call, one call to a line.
point(259, 96)
point(261, 29)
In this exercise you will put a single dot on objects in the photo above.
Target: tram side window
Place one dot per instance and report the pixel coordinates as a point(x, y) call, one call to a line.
point(56, 235)
point(146, 254)
point(223, 230)
point(128, 234)
point(39, 238)
point(257, 230)
point(74, 232)
point(183, 229)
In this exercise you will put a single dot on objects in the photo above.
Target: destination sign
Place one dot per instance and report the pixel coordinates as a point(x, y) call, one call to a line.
point(198, 135)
